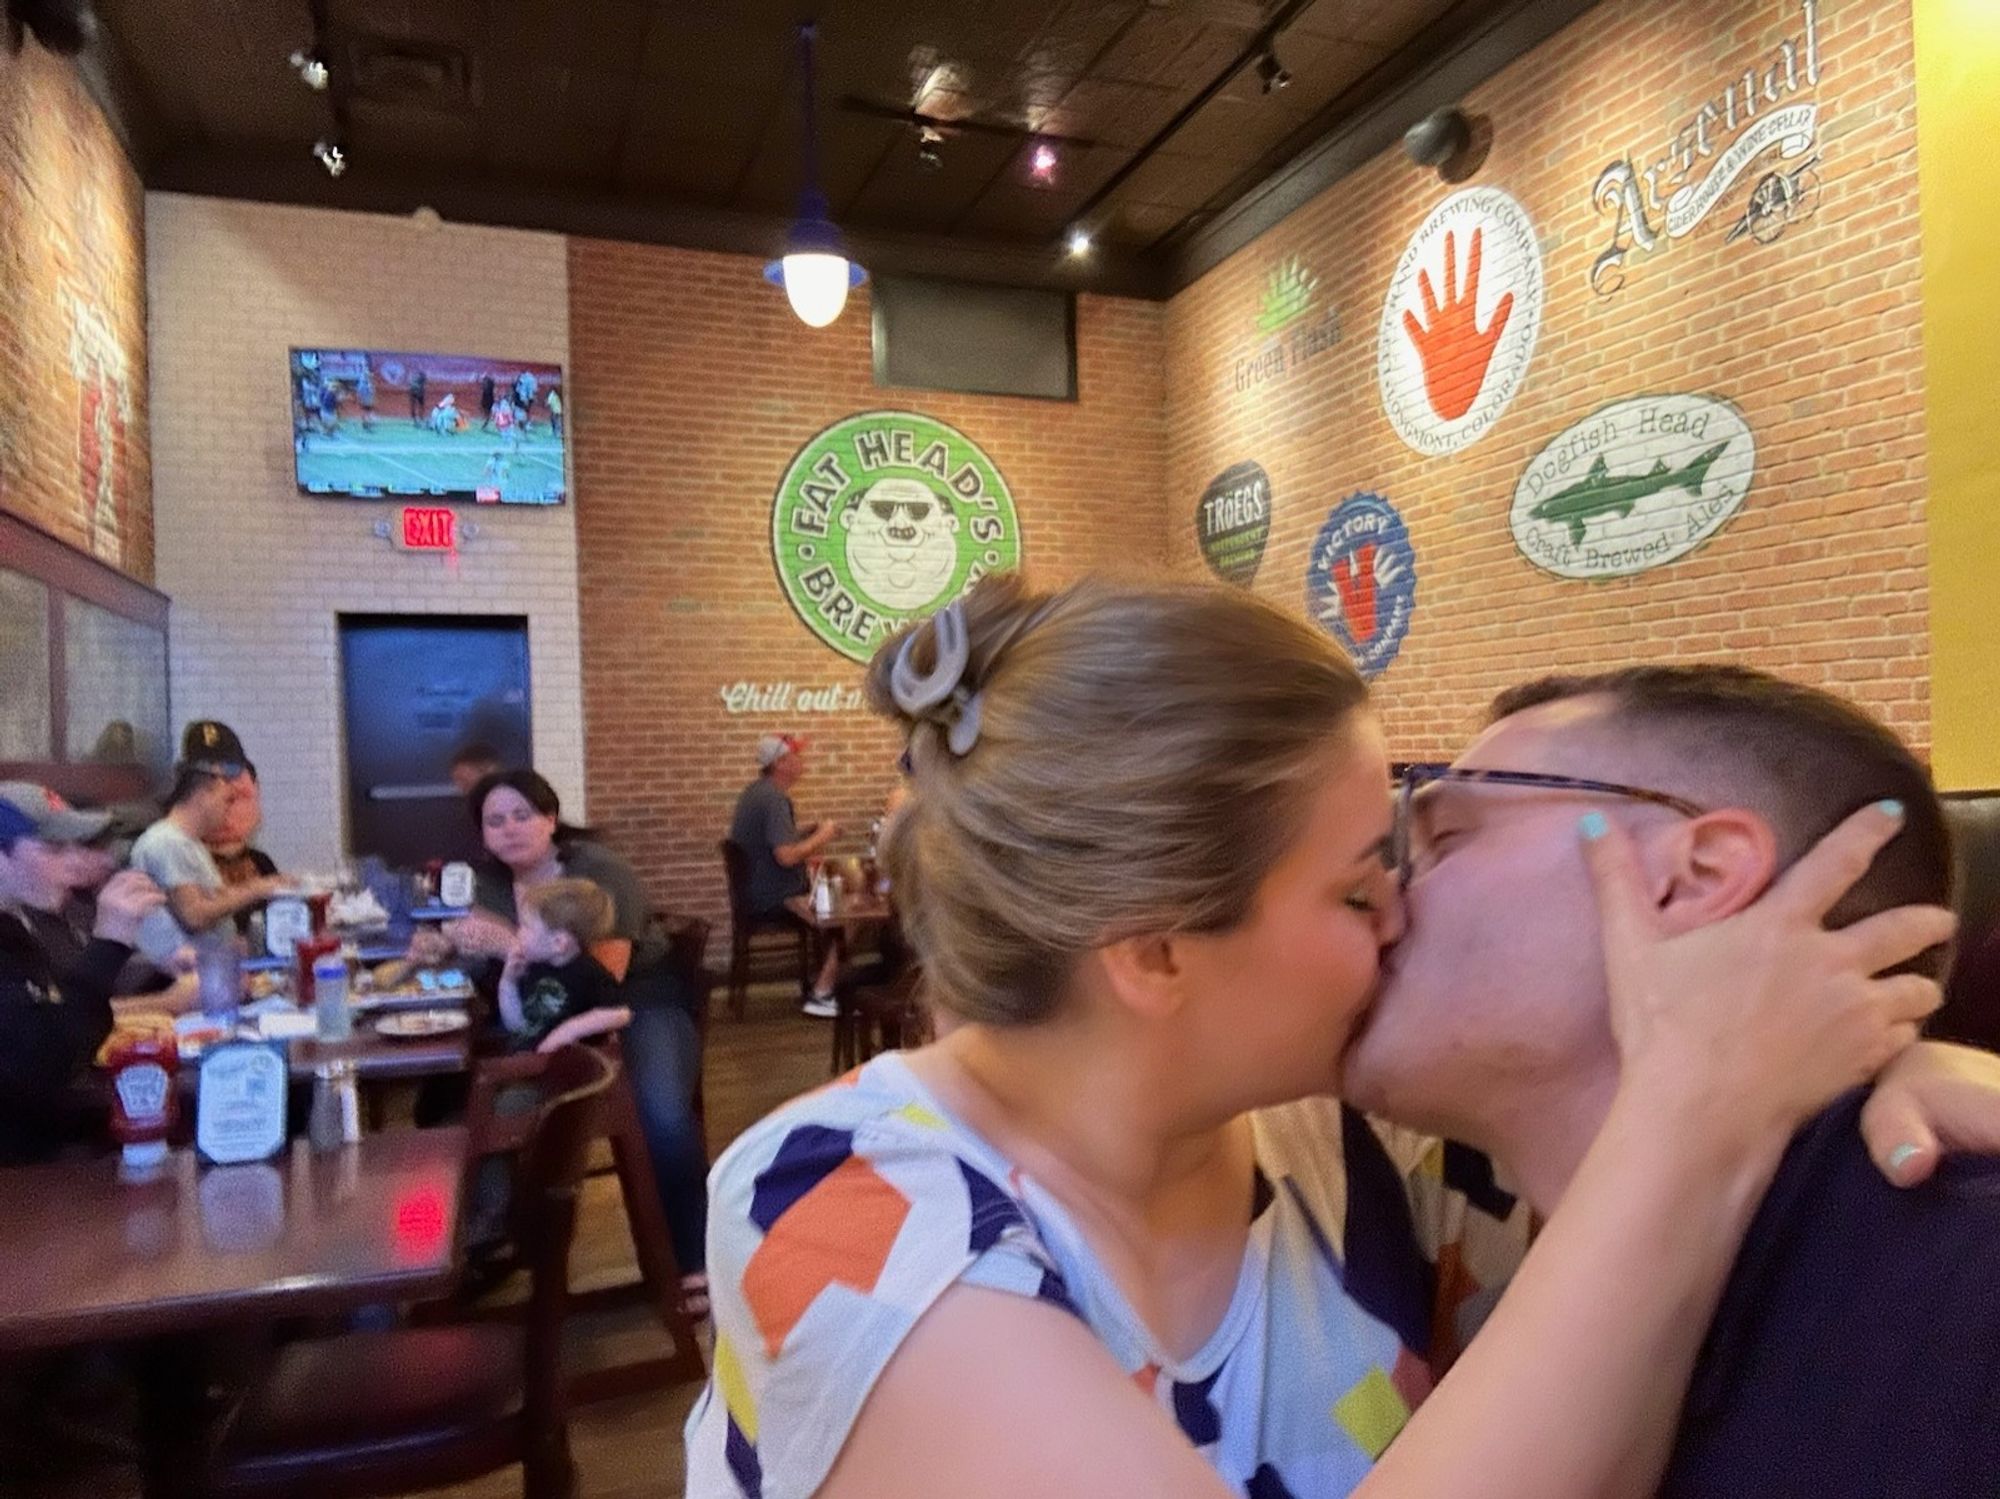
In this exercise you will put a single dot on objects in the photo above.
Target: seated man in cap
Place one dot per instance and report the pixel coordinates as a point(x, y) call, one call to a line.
point(173, 852)
point(53, 1014)
point(766, 828)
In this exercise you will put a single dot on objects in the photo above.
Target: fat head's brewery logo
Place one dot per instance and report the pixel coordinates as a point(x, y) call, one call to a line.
point(1361, 580)
point(1459, 323)
point(1633, 486)
point(1729, 133)
point(885, 516)
point(1232, 520)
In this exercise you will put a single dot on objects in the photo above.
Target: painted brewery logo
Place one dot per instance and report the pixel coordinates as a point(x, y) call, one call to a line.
point(1361, 580)
point(1731, 132)
point(883, 516)
point(1634, 486)
point(1233, 521)
point(1459, 324)
point(1291, 333)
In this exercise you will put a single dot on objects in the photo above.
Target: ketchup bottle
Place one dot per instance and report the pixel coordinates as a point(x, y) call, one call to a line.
point(143, 1102)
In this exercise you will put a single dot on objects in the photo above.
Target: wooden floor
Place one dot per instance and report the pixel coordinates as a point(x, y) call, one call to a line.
point(631, 1449)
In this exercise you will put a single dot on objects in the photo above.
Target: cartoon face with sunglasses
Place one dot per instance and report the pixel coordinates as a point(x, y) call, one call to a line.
point(902, 543)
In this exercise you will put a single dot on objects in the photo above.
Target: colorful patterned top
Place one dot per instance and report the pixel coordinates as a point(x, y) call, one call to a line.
point(837, 1221)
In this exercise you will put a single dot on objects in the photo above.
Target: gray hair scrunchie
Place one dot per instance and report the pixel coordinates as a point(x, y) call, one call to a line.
point(939, 695)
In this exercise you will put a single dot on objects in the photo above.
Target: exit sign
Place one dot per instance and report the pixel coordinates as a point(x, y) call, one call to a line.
point(428, 528)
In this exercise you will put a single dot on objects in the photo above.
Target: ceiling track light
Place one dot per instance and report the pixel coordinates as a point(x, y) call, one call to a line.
point(930, 139)
point(1272, 72)
point(310, 64)
point(1042, 163)
point(1078, 242)
point(330, 155)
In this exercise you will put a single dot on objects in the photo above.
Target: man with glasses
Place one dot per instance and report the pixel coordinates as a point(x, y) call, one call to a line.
point(1854, 1349)
point(174, 850)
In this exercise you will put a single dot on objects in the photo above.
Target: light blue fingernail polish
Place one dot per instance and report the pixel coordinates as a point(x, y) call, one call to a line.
point(1901, 1156)
point(1593, 826)
point(1891, 807)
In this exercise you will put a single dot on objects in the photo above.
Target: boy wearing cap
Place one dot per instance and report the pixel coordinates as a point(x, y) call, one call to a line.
point(53, 1017)
point(766, 828)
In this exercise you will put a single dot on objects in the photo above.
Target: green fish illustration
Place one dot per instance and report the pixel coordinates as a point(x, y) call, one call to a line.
point(1601, 492)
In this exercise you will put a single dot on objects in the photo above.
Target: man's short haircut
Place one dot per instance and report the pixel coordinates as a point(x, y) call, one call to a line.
point(1812, 759)
point(190, 778)
point(476, 752)
point(578, 907)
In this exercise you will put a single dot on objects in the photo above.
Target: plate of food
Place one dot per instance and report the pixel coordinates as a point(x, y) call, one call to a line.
point(418, 1025)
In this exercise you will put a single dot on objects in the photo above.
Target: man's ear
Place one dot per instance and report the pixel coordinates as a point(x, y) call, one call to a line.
point(1712, 866)
point(1144, 975)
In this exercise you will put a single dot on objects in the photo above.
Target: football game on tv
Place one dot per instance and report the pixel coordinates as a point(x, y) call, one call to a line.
point(370, 423)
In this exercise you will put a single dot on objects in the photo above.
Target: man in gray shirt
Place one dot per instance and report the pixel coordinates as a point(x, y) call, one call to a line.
point(174, 854)
point(766, 828)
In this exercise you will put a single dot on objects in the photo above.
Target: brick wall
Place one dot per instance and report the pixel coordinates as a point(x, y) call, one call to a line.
point(257, 571)
point(73, 445)
point(694, 387)
point(1813, 337)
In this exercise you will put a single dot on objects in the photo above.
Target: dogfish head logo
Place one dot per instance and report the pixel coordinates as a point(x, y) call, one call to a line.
point(1460, 320)
point(1361, 581)
point(883, 517)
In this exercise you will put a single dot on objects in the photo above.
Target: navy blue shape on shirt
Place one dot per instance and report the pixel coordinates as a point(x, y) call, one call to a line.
point(811, 1153)
point(993, 1211)
point(1196, 1412)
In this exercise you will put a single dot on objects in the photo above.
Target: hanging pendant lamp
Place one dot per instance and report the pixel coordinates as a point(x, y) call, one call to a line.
point(815, 270)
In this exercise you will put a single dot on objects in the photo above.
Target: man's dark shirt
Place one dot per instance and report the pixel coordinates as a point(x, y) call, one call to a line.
point(51, 1023)
point(763, 823)
point(1857, 1348)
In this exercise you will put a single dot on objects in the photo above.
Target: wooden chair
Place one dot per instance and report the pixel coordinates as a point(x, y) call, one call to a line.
point(377, 1413)
point(878, 1017)
point(745, 928)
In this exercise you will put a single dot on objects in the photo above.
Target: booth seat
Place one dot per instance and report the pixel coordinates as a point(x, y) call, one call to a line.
point(1972, 1001)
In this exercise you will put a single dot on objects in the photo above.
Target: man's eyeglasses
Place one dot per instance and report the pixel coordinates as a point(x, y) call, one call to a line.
point(1402, 836)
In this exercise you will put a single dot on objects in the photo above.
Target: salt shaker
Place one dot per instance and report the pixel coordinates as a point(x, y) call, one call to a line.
point(336, 1106)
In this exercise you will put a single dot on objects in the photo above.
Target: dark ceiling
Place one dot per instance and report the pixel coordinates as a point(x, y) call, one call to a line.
point(678, 121)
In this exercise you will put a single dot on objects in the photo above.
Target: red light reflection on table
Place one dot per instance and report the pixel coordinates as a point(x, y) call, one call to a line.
point(420, 1223)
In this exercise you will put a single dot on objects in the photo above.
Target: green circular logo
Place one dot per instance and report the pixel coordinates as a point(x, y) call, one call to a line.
point(883, 517)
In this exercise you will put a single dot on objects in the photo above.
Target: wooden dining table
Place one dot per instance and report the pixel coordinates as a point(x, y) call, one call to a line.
point(93, 1258)
point(850, 911)
point(164, 1264)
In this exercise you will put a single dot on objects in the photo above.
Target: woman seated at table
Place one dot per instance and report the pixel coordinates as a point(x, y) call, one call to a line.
point(529, 845)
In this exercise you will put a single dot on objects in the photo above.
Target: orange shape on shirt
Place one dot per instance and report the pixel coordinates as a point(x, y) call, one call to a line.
point(839, 1232)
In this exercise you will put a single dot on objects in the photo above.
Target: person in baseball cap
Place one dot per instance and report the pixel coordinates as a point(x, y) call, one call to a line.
point(213, 746)
point(774, 747)
point(775, 849)
point(31, 811)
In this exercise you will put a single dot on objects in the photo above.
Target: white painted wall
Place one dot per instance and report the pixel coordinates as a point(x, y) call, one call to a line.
point(257, 572)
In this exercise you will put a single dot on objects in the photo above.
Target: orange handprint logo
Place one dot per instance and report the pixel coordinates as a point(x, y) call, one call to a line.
point(1454, 350)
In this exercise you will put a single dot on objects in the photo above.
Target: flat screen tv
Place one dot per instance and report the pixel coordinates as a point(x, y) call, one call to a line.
point(370, 423)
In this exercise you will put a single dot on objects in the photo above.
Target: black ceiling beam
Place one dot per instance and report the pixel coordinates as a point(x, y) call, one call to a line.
point(1259, 44)
point(1418, 79)
point(972, 124)
point(472, 199)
